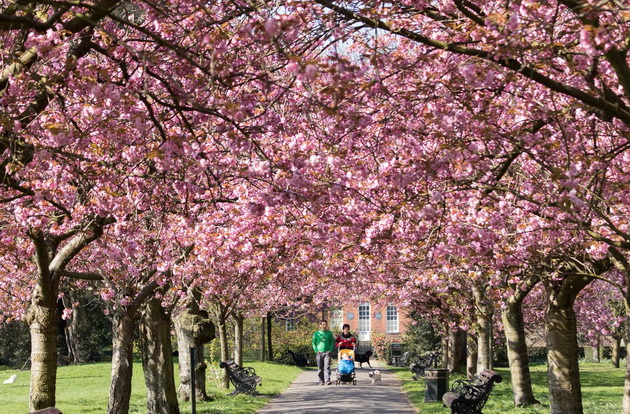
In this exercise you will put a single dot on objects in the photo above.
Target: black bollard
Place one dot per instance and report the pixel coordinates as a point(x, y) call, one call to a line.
point(192, 380)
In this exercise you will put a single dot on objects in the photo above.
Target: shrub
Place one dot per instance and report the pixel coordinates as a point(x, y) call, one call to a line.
point(500, 356)
point(298, 341)
point(15, 344)
point(381, 346)
point(421, 338)
point(214, 374)
point(537, 355)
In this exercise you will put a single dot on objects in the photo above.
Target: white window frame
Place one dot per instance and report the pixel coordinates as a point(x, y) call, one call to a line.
point(290, 324)
point(336, 320)
point(392, 320)
point(364, 322)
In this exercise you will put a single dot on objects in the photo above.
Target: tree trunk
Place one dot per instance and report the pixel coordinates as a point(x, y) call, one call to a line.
point(484, 358)
point(42, 321)
point(615, 351)
point(183, 330)
point(565, 392)
point(621, 263)
point(238, 338)
point(225, 352)
point(73, 352)
point(446, 350)
point(484, 328)
point(263, 329)
point(457, 350)
point(269, 337)
point(77, 328)
point(193, 328)
point(472, 354)
point(122, 361)
point(514, 326)
point(41, 316)
point(200, 375)
point(157, 360)
point(626, 383)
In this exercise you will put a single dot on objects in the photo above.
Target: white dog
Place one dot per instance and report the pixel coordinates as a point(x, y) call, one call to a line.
point(11, 379)
point(376, 377)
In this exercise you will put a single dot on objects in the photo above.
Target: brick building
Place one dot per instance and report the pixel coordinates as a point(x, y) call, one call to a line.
point(367, 319)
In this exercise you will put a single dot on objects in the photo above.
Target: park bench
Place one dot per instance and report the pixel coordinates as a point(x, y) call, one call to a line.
point(395, 352)
point(244, 379)
point(423, 363)
point(402, 361)
point(469, 396)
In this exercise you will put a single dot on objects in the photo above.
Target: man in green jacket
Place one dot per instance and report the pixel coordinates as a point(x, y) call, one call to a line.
point(323, 345)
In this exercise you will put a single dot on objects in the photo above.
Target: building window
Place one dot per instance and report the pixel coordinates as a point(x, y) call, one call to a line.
point(290, 324)
point(364, 322)
point(392, 320)
point(336, 320)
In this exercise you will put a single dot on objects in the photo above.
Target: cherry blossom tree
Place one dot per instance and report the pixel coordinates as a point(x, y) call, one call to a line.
point(413, 145)
point(108, 109)
point(541, 95)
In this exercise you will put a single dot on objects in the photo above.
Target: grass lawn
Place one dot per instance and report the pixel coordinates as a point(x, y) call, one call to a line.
point(85, 389)
point(602, 390)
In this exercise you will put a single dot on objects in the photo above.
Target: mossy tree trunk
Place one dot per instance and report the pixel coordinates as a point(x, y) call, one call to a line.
point(194, 329)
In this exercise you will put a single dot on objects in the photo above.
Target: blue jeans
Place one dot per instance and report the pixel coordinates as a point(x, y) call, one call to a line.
point(323, 366)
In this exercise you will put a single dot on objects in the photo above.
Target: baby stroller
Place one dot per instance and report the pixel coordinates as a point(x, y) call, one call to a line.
point(345, 367)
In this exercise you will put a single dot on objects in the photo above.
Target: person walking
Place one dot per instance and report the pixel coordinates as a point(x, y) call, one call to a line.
point(323, 345)
point(345, 340)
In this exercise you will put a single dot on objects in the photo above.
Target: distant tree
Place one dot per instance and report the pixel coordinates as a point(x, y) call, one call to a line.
point(421, 337)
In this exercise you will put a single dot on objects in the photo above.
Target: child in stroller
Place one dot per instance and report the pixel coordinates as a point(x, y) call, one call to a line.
point(345, 367)
point(346, 343)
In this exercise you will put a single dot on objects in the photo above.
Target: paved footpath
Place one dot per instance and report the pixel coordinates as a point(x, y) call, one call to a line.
point(306, 396)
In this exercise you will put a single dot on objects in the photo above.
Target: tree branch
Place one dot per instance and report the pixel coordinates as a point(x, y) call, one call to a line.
point(514, 65)
point(93, 231)
point(81, 275)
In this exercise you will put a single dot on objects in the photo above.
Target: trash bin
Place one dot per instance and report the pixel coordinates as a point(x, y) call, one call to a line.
point(436, 384)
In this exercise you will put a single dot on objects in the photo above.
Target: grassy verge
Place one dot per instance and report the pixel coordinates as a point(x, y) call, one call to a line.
point(85, 389)
point(602, 390)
